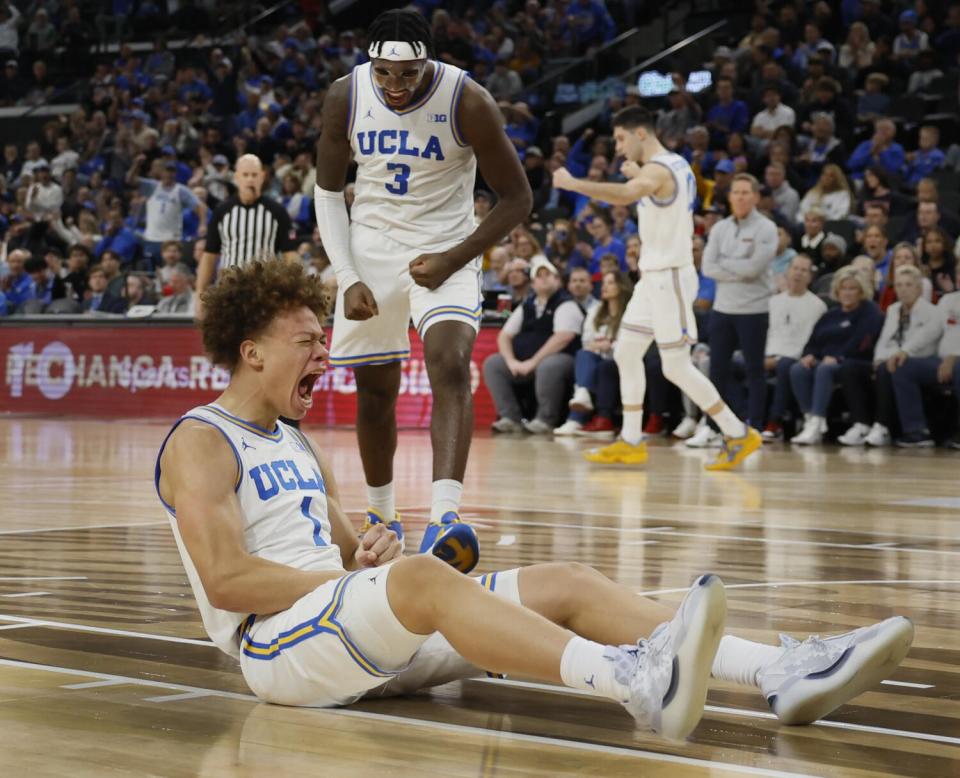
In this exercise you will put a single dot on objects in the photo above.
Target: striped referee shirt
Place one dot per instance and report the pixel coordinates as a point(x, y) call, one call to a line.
point(241, 233)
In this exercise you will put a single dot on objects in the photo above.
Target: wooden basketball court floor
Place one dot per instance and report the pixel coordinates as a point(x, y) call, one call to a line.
point(105, 669)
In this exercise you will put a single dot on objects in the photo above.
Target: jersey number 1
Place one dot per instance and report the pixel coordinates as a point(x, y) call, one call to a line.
point(399, 185)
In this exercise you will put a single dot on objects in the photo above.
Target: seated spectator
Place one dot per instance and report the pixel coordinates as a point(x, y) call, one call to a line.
point(518, 282)
point(110, 264)
point(171, 255)
point(781, 262)
point(563, 248)
point(876, 191)
point(589, 24)
point(927, 159)
point(912, 329)
point(833, 255)
point(904, 255)
point(521, 125)
point(926, 217)
point(536, 346)
point(117, 238)
point(504, 83)
point(98, 299)
point(868, 273)
point(580, 287)
point(941, 371)
point(623, 225)
point(181, 298)
point(524, 245)
point(17, 285)
point(874, 244)
point(857, 52)
point(794, 313)
point(596, 391)
point(873, 104)
point(880, 150)
point(831, 195)
point(938, 261)
point(846, 332)
point(727, 113)
point(773, 116)
point(600, 227)
point(822, 146)
point(298, 205)
point(47, 286)
point(633, 256)
point(924, 73)
point(813, 235)
point(785, 197)
point(827, 98)
point(137, 291)
point(79, 259)
point(911, 41)
point(684, 113)
point(495, 277)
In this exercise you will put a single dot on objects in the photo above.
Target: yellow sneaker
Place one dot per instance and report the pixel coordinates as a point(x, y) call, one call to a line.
point(618, 453)
point(735, 450)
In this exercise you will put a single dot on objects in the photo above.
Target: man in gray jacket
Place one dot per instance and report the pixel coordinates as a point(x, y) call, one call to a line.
point(738, 255)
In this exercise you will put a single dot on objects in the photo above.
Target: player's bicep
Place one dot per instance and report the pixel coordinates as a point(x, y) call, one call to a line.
point(199, 477)
point(333, 146)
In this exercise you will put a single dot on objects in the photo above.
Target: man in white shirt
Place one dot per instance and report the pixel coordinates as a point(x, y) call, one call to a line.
point(785, 197)
point(44, 196)
point(536, 345)
point(793, 314)
point(774, 115)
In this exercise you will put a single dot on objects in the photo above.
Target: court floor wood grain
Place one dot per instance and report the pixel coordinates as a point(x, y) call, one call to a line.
point(105, 669)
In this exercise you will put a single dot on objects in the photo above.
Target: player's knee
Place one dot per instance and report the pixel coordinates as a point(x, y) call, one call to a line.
point(422, 572)
point(675, 365)
point(449, 368)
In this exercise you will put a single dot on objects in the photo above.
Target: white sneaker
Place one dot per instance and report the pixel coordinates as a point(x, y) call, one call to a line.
point(855, 436)
point(581, 402)
point(812, 433)
point(685, 428)
point(667, 674)
point(537, 427)
point(568, 428)
point(705, 437)
point(506, 426)
point(878, 436)
point(816, 676)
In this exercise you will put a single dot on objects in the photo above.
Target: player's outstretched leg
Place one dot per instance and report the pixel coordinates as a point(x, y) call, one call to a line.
point(447, 347)
point(662, 681)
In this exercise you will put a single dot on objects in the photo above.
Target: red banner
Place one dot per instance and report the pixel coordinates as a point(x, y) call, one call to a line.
point(161, 372)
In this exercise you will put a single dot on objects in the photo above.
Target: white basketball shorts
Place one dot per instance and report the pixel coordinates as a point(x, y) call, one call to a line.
point(382, 265)
point(342, 640)
point(662, 306)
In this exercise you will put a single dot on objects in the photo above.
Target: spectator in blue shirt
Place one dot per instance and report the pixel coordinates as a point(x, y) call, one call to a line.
point(600, 227)
point(17, 285)
point(521, 126)
point(727, 114)
point(923, 162)
point(880, 150)
point(4, 308)
point(47, 286)
point(245, 122)
point(590, 23)
point(184, 171)
point(118, 238)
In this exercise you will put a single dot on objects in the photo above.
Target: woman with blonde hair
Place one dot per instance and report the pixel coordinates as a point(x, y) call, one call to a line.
point(857, 52)
point(847, 332)
point(904, 255)
point(831, 194)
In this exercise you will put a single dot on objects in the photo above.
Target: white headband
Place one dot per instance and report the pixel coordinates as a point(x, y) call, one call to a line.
point(397, 51)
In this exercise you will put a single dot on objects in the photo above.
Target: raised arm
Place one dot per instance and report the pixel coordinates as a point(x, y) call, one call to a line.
point(646, 180)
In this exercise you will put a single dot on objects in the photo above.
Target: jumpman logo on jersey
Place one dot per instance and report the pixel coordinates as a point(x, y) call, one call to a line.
point(369, 114)
point(373, 579)
point(589, 681)
point(246, 445)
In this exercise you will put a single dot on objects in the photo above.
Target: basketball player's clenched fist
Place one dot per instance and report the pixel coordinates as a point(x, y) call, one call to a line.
point(431, 270)
point(562, 179)
point(630, 169)
point(377, 547)
point(359, 303)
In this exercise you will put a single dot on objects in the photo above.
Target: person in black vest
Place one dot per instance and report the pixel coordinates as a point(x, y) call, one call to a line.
point(536, 345)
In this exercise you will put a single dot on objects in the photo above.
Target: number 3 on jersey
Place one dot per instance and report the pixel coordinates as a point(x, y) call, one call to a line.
point(399, 185)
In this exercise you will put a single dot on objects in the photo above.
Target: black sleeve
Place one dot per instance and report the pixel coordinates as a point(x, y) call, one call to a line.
point(286, 239)
point(213, 245)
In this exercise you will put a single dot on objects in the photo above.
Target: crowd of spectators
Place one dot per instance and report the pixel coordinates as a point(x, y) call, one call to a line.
point(106, 209)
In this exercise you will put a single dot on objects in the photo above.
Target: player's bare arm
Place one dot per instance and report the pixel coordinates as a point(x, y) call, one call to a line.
point(482, 125)
point(647, 180)
point(198, 475)
point(333, 160)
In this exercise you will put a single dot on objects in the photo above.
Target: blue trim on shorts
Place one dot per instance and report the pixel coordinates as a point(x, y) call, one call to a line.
point(453, 310)
point(362, 360)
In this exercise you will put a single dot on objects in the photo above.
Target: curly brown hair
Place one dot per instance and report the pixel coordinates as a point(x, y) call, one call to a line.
point(246, 299)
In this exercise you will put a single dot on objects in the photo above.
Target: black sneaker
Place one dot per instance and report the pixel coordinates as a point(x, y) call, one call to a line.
point(954, 443)
point(920, 439)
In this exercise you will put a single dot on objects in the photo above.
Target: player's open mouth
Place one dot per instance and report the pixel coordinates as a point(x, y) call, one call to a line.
point(305, 388)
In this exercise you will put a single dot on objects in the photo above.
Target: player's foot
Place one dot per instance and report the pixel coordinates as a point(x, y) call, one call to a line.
point(453, 541)
point(373, 517)
point(735, 450)
point(668, 681)
point(618, 453)
point(816, 676)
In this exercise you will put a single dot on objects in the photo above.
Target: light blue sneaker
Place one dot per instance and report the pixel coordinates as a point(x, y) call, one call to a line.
point(373, 517)
point(453, 541)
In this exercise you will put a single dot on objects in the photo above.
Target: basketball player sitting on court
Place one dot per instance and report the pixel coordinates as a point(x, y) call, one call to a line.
point(417, 129)
point(661, 309)
point(319, 618)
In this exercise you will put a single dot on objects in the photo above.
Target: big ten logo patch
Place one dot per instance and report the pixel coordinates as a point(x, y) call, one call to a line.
point(437, 118)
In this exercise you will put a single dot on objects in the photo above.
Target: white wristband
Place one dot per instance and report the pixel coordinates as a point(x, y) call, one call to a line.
point(334, 225)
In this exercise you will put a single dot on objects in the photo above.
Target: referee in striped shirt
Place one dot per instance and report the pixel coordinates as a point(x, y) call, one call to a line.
point(245, 227)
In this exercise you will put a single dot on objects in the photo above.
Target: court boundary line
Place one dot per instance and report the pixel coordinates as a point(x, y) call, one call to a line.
point(81, 527)
point(188, 692)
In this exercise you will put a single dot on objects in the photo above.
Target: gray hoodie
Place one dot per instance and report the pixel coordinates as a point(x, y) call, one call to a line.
point(738, 256)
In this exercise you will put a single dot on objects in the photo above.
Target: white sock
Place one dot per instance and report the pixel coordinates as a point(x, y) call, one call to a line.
point(729, 424)
point(632, 431)
point(740, 660)
point(447, 494)
point(381, 499)
point(583, 666)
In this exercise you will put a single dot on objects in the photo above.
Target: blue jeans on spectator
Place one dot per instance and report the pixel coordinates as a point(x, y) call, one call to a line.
point(813, 387)
point(782, 389)
point(749, 332)
point(909, 379)
point(152, 255)
point(601, 378)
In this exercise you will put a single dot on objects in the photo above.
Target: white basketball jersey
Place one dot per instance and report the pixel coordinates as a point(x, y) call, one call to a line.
point(415, 172)
point(666, 226)
point(284, 502)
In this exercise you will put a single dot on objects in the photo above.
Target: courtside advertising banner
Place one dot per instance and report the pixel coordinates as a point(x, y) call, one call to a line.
point(105, 371)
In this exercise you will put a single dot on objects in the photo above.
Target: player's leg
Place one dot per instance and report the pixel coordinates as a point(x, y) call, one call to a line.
point(377, 389)
point(662, 682)
point(447, 320)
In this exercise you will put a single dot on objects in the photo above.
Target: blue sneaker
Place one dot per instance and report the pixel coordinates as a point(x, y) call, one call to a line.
point(453, 541)
point(375, 518)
